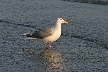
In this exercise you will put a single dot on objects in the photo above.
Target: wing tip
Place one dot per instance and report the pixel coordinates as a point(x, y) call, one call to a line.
point(25, 34)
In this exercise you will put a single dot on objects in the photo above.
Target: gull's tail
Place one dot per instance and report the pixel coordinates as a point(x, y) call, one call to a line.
point(29, 36)
point(26, 34)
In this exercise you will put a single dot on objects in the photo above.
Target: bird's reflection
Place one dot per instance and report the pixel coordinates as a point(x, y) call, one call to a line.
point(53, 61)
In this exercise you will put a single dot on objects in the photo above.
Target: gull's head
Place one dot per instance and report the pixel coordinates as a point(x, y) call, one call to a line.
point(61, 21)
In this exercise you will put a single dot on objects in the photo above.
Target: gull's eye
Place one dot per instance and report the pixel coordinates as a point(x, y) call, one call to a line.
point(60, 19)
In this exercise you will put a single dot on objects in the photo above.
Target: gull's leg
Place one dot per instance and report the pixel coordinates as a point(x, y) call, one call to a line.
point(48, 45)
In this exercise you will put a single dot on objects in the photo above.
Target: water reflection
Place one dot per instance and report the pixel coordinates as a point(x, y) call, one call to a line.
point(53, 61)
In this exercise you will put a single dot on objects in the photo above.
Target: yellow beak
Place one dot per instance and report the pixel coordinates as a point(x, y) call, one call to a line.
point(65, 22)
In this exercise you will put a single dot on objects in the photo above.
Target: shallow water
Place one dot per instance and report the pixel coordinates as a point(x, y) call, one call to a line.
point(82, 46)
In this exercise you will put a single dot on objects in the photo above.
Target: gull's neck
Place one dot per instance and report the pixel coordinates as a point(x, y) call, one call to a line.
point(57, 29)
point(58, 26)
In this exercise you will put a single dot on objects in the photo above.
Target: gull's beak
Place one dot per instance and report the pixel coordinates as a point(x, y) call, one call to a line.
point(65, 22)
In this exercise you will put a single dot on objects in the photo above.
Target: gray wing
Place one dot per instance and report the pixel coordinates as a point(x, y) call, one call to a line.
point(43, 33)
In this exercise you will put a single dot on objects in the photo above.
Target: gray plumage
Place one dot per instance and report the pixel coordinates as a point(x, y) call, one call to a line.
point(41, 34)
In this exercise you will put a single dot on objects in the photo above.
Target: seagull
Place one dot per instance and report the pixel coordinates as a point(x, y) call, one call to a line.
point(47, 35)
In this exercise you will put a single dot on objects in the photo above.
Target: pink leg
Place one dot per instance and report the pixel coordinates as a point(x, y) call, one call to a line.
point(48, 45)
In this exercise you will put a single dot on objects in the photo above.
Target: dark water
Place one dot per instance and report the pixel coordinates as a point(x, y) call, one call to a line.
point(83, 46)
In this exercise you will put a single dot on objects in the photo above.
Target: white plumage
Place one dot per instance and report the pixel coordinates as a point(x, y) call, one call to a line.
point(48, 35)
